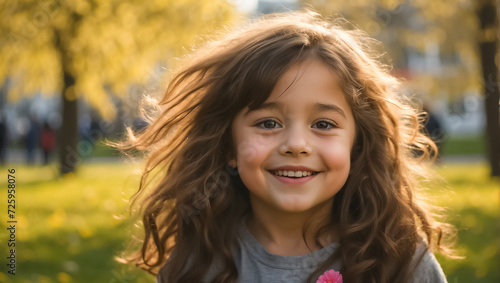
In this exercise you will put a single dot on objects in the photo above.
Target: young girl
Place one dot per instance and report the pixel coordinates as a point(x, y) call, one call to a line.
point(283, 151)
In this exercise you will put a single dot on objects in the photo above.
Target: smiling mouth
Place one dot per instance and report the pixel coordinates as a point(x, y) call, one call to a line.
point(292, 174)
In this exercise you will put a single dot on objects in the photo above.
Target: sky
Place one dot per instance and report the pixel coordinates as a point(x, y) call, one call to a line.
point(246, 6)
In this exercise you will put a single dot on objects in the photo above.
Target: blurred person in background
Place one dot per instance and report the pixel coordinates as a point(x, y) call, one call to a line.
point(433, 128)
point(32, 140)
point(47, 141)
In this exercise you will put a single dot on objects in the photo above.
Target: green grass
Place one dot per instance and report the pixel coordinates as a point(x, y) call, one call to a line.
point(472, 199)
point(464, 145)
point(68, 229)
point(102, 150)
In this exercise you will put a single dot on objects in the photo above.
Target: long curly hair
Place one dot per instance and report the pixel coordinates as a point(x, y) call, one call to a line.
point(192, 210)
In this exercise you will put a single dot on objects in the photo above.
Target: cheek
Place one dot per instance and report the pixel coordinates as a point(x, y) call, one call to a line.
point(252, 153)
point(337, 157)
point(252, 150)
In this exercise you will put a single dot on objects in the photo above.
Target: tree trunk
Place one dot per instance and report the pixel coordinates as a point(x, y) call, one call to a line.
point(68, 135)
point(488, 48)
point(68, 138)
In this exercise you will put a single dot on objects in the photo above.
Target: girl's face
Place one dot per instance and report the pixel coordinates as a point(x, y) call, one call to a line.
point(293, 152)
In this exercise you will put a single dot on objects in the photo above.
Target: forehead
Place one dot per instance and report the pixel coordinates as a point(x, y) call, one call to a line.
point(314, 66)
point(311, 87)
point(312, 79)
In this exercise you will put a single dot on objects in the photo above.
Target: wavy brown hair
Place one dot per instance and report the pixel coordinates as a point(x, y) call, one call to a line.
point(191, 212)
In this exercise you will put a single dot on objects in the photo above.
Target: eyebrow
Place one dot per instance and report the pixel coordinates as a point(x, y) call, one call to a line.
point(268, 106)
point(329, 107)
point(319, 107)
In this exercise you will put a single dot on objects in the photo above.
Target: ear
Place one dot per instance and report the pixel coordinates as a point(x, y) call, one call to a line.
point(232, 162)
point(231, 159)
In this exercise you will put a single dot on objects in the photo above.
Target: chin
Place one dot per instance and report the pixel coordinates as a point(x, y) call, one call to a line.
point(304, 205)
point(296, 206)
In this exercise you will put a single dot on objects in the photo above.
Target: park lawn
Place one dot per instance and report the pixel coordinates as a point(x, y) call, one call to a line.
point(70, 229)
point(464, 145)
point(472, 201)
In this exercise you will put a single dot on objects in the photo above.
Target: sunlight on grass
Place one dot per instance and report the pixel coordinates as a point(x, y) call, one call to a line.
point(70, 229)
point(472, 199)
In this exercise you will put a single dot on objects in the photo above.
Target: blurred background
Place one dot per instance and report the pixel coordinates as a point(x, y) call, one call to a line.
point(73, 73)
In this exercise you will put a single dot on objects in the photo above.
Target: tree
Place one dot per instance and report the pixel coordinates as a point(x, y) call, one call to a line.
point(87, 48)
point(451, 26)
point(420, 25)
point(488, 47)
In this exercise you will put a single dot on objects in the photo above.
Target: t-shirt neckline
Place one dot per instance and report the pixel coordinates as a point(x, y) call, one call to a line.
point(259, 253)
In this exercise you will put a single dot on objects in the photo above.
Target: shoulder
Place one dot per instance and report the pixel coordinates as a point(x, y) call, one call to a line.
point(215, 267)
point(427, 267)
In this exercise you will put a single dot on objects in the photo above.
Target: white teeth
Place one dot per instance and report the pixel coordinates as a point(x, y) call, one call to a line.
point(296, 174)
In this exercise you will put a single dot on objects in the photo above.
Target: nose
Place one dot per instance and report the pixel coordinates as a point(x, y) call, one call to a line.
point(295, 143)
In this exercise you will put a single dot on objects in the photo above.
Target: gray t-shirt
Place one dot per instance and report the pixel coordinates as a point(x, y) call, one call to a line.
point(256, 265)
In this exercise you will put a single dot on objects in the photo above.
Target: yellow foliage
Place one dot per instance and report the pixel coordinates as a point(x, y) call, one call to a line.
point(101, 43)
point(451, 24)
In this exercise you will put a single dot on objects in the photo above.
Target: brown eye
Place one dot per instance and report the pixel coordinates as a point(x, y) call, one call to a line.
point(324, 125)
point(269, 124)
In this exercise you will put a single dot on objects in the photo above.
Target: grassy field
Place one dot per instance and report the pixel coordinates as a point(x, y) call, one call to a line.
point(472, 199)
point(464, 145)
point(70, 229)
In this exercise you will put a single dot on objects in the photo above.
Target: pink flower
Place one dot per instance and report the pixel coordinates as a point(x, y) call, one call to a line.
point(330, 276)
